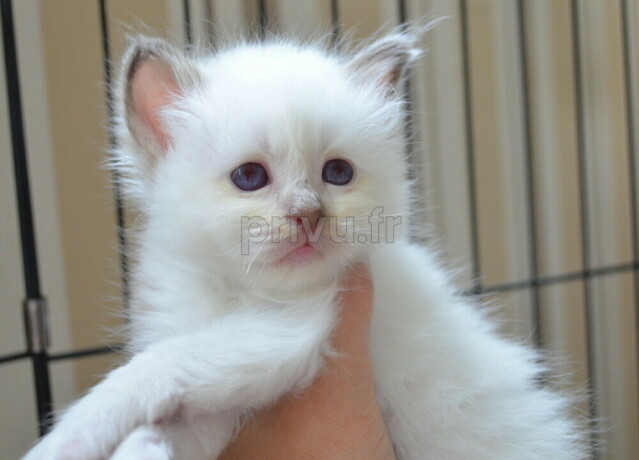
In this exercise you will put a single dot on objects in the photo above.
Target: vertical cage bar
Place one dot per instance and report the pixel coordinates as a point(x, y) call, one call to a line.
point(36, 322)
point(402, 11)
point(27, 234)
point(530, 173)
point(408, 112)
point(262, 9)
point(117, 189)
point(470, 149)
point(208, 24)
point(188, 29)
point(632, 152)
point(585, 219)
point(336, 28)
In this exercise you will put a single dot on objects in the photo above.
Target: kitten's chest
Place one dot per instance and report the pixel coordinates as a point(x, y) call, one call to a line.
point(160, 315)
point(178, 308)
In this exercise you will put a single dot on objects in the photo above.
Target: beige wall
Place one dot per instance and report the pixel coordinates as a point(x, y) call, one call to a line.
point(76, 217)
point(78, 120)
point(18, 414)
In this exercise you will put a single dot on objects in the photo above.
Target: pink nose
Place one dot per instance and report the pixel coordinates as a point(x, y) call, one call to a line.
point(307, 219)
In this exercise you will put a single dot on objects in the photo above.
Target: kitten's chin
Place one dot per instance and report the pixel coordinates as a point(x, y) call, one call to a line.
point(304, 269)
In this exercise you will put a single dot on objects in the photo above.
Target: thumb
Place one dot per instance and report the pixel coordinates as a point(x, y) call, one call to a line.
point(351, 337)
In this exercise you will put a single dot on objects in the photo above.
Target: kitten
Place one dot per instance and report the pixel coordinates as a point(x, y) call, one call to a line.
point(262, 172)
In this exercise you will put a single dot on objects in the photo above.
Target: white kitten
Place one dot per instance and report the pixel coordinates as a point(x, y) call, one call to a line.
point(233, 307)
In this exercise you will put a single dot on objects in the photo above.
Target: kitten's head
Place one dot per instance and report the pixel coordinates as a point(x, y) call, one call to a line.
point(273, 164)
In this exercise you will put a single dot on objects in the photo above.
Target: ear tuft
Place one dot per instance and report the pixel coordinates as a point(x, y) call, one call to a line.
point(385, 61)
point(155, 75)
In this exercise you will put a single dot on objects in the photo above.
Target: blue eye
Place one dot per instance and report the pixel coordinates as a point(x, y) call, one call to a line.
point(337, 172)
point(250, 176)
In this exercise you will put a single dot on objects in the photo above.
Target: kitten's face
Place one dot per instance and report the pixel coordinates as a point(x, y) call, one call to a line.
point(282, 168)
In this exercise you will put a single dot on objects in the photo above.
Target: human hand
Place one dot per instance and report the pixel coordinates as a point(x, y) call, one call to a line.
point(337, 417)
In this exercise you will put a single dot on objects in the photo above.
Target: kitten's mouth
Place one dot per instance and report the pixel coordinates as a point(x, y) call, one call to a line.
point(302, 255)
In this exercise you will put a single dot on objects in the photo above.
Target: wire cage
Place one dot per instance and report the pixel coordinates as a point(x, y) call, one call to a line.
point(460, 166)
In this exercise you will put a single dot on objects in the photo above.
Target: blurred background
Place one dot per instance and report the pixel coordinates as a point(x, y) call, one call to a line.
point(524, 121)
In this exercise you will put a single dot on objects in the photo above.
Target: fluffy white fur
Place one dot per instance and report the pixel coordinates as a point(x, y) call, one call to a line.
point(216, 334)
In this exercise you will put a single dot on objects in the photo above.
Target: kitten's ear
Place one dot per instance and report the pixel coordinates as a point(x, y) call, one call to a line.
point(155, 75)
point(385, 61)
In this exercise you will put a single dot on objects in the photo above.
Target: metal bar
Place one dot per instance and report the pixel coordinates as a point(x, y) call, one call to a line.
point(27, 234)
point(188, 29)
point(336, 27)
point(470, 149)
point(43, 391)
point(262, 9)
point(86, 352)
point(408, 103)
point(556, 279)
point(530, 174)
point(402, 11)
point(632, 152)
point(115, 175)
point(36, 320)
point(14, 357)
point(208, 23)
point(39, 356)
point(585, 220)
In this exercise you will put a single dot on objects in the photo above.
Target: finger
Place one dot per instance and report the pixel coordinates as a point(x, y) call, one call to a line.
point(357, 286)
point(351, 336)
point(357, 279)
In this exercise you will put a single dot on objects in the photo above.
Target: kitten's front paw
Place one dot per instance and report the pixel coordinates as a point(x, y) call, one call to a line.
point(72, 450)
point(68, 444)
point(144, 443)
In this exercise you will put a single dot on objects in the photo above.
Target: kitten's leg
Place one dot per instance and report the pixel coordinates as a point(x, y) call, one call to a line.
point(239, 363)
point(146, 442)
point(200, 438)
